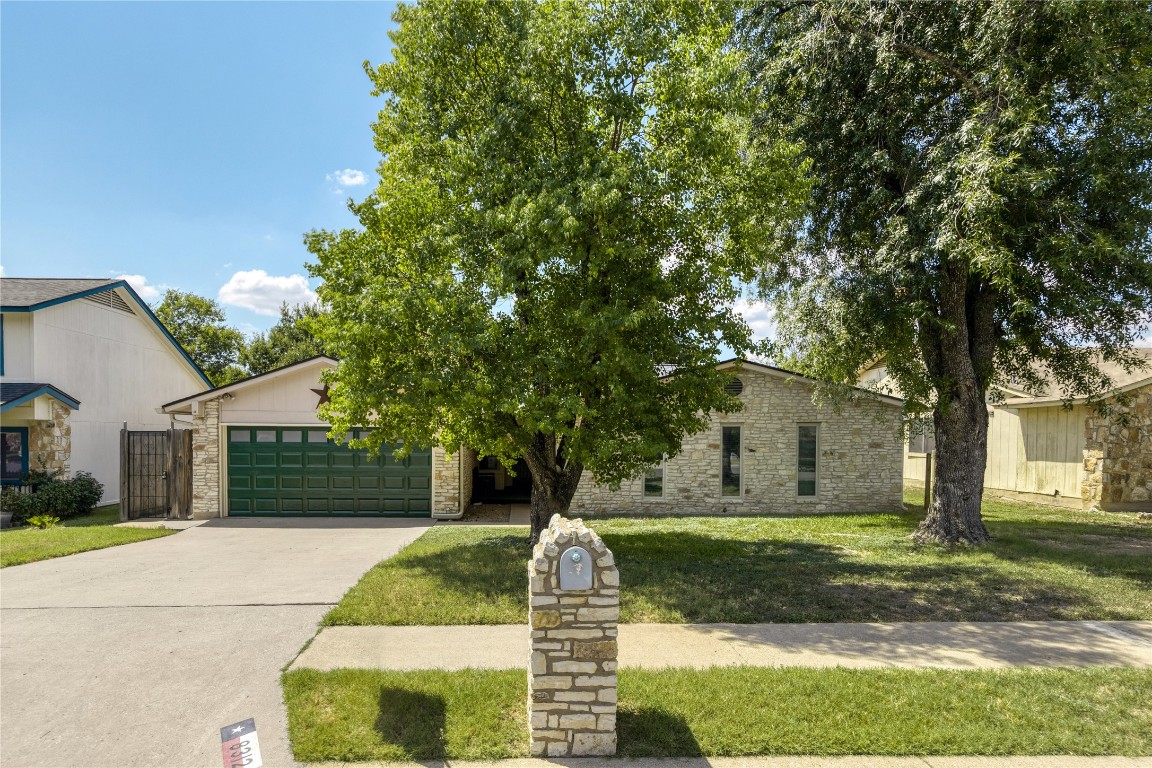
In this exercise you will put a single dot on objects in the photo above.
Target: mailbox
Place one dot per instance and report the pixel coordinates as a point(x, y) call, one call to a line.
point(575, 569)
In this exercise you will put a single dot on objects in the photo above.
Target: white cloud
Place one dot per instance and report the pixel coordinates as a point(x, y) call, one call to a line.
point(1, 270)
point(349, 177)
point(759, 317)
point(139, 284)
point(263, 293)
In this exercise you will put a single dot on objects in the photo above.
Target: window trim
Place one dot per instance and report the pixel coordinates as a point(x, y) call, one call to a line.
point(740, 495)
point(816, 492)
point(662, 465)
point(24, 454)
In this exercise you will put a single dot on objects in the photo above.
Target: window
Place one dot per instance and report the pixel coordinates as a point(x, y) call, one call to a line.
point(265, 435)
point(654, 481)
point(240, 436)
point(730, 461)
point(13, 455)
point(291, 436)
point(317, 436)
point(806, 454)
point(924, 442)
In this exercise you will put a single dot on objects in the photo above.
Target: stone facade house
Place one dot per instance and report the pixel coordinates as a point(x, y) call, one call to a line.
point(1046, 450)
point(259, 449)
point(78, 360)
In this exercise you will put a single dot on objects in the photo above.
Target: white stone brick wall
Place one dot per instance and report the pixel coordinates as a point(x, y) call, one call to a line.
point(860, 459)
point(50, 442)
point(206, 461)
point(445, 483)
point(572, 674)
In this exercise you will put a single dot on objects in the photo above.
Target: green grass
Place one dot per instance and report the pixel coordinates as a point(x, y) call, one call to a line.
point(80, 534)
point(1043, 564)
point(361, 715)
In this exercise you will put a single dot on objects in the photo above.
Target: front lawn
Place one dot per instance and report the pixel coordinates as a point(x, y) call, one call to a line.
point(92, 531)
point(361, 715)
point(1044, 564)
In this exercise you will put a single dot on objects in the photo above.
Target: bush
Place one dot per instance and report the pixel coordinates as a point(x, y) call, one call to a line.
point(43, 521)
point(53, 497)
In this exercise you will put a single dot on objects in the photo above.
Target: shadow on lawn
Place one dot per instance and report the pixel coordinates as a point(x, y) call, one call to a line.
point(689, 578)
point(648, 732)
point(414, 722)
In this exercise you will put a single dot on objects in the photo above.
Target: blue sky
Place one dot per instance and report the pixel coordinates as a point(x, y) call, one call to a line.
point(190, 144)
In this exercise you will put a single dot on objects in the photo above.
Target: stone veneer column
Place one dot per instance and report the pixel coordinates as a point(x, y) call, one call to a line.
point(206, 461)
point(50, 442)
point(572, 677)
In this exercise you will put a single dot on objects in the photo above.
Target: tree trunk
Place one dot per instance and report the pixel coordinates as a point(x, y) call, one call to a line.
point(958, 487)
point(554, 483)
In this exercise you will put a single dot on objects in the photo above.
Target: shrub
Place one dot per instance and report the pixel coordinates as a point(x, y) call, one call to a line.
point(54, 497)
point(86, 493)
point(43, 521)
point(21, 505)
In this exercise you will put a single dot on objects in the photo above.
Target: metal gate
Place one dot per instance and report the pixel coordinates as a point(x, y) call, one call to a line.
point(155, 474)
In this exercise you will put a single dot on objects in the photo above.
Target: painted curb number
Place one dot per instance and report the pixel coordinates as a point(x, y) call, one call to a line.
point(240, 746)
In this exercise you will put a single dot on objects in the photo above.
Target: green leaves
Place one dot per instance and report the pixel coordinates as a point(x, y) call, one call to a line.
point(199, 325)
point(567, 195)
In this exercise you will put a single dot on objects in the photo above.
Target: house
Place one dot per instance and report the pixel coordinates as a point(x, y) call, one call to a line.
point(1041, 451)
point(78, 359)
point(259, 449)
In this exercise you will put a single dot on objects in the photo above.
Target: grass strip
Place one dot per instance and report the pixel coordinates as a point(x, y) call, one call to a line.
point(364, 715)
point(92, 531)
point(1043, 564)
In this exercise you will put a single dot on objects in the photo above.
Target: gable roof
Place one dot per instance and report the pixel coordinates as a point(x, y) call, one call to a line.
point(29, 294)
point(1122, 381)
point(259, 378)
point(13, 394)
point(785, 373)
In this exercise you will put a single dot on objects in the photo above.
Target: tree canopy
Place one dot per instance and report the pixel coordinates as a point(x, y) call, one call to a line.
point(290, 340)
point(199, 325)
point(567, 199)
point(982, 197)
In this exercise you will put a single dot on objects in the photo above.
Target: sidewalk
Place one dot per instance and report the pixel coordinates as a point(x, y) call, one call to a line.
point(977, 645)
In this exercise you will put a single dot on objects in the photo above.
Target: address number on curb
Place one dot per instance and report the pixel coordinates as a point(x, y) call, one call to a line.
point(240, 746)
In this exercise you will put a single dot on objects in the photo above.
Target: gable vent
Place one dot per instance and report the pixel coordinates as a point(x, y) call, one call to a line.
point(734, 386)
point(110, 299)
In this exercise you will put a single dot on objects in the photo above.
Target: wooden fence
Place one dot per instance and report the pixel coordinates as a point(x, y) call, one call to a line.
point(155, 474)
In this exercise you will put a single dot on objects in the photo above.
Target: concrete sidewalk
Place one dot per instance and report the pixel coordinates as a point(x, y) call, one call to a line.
point(987, 645)
point(853, 761)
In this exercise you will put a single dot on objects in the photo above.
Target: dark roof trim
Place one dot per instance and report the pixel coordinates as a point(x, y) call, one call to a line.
point(112, 285)
point(227, 387)
point(39, 391)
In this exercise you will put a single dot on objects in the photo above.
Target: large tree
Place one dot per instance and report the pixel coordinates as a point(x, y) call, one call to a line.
point(199, 325)
point(567, 197)
point(291, 340)
point(982, 178)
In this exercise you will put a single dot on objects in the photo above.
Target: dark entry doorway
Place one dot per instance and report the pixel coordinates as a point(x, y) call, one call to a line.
point(493, 484)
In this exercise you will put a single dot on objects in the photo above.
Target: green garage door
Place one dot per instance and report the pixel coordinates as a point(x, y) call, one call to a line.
point(298, 471)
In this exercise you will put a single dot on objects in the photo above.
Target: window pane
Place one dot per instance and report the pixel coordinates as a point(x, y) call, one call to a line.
point(730, 461)
point(291, 436)
point(654, 481)
point(241, 436)
point(12, 461)
point(806, 461)
point(317, 436)
point(265, 435)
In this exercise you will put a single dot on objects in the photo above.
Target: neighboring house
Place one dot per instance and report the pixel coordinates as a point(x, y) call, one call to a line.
point(1041, 451)
point(78, 359)
point(259, 449)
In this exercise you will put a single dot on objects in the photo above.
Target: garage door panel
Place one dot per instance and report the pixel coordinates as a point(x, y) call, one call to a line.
point(269, 474)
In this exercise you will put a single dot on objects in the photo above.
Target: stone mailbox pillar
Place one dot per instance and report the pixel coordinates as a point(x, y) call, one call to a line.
point(574, 608)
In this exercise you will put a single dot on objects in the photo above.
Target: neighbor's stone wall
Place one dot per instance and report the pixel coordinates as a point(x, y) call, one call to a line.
point(206, 461)
point(860, 459)
point(50, 442)
point(572, 677)
point(445, 483)
point(1117, 470)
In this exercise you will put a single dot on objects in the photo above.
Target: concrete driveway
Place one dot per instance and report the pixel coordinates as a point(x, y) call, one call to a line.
point(137, 655)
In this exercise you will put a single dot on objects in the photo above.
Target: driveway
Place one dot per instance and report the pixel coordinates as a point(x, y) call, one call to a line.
point(137, 655)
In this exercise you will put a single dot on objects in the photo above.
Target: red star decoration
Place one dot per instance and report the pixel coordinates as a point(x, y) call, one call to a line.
point(323, 393)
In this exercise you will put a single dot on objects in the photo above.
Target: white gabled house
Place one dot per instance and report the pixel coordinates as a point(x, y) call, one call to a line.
point(78, 359)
